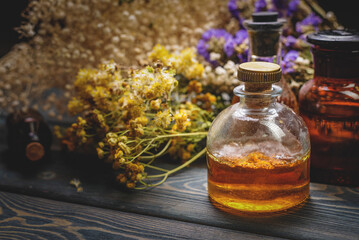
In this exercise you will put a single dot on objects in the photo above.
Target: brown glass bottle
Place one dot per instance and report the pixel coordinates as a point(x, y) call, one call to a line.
point(29, 137)
point(329, 104)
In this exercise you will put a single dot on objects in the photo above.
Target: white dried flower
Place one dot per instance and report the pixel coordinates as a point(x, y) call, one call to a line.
point(220, 70)
point(230, 65)
point(221, 79)
point(214, 56)
point(303, 61)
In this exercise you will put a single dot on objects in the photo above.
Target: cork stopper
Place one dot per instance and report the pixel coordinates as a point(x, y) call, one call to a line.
point(259, 76)
point(264, 21)
point(34, 151)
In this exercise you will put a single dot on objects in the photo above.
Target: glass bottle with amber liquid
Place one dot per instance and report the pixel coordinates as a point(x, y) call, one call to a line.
point(29, 138)
point(258, 150)
point(329, 104)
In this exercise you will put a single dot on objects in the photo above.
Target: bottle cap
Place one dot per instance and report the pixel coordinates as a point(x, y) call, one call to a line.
point(34, 151)
point(335, 39)
point(259, 72)
point(265, 17)
point(264, 21)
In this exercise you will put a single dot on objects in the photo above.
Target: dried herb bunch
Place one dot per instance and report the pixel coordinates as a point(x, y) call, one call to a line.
point(133, 118)
point(63, 36)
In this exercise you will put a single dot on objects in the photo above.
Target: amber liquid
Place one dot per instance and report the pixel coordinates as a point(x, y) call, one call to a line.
point(335, 149)
point(257, 183)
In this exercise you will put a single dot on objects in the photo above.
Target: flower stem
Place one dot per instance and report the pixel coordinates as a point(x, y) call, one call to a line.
point(168, 136)
point(158, 154)
point(152, 185)
point(154, 167)
point(198, 155)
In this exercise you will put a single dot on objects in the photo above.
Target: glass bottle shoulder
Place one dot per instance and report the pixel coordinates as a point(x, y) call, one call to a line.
point(278, 131)
point(334, 98)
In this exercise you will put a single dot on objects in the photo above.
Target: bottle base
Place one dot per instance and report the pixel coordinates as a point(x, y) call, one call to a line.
point(247, 199)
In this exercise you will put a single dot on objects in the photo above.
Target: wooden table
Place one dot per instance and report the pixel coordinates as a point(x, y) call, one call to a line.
point(40, 203)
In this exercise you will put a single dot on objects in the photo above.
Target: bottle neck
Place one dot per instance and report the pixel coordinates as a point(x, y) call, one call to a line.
point(333, 65)
point(33, 126)
point(264, 45)
point(257, 99)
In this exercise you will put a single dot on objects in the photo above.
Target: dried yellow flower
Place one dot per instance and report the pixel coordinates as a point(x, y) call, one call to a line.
point(135, 122)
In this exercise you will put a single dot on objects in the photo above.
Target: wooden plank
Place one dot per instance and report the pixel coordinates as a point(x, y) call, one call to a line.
point(24, 217)
point(331, 212)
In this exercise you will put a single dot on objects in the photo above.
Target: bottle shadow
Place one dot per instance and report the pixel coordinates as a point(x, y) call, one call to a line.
point(15, 162)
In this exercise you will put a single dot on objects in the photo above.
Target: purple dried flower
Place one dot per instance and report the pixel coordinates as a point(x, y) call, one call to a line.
point(290, 41)
point(206, 36)
point(292, 7)
point(217, 33)
point(280, 4)
point(289, 61)
point(292, 55)
point(233, 8)
point(244, 56)
point(310, 21)
point(260, 5)
point(285, 8)
point(240, 36)
point(203, 43)
point(202, 49)
point(221, 42)
point(229, 47)
point(303, 37)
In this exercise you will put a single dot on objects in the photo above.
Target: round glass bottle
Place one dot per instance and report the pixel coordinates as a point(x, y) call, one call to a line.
point(258, 149)
point(329, 104)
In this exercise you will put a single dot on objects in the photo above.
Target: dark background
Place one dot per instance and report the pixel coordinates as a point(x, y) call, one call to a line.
point(10, 17)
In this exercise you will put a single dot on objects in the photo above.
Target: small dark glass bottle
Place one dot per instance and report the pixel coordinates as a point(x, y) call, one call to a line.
point(29, 137)
point(329, 104)
point(264, 32)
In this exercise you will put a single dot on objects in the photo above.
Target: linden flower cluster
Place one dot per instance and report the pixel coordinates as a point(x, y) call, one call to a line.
point(189, 71)
point(221, 79)
point(133, 118)
point(185, 62)
point(63, 36)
